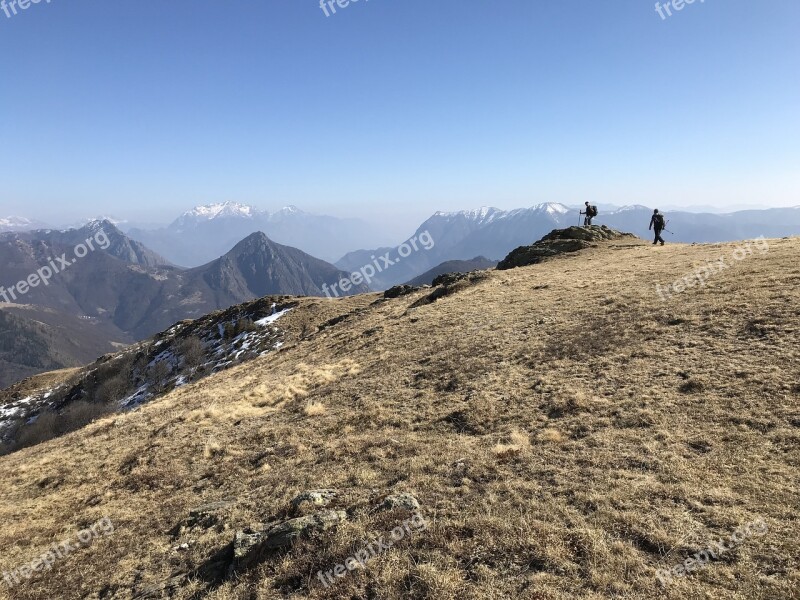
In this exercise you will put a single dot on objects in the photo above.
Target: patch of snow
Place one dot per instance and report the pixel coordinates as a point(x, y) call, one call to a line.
point(272, 318)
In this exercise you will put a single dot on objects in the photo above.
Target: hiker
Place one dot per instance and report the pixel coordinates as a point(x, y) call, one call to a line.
point(591, 213)
point(658, 225)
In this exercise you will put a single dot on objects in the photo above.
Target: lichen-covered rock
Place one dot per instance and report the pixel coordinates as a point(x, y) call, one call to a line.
point(249, 545)
point(404, 500)
point(560, 241)
point(312, 499)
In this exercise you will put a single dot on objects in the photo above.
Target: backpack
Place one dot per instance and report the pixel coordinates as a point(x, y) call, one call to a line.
point(592, 211)
point(658, 221)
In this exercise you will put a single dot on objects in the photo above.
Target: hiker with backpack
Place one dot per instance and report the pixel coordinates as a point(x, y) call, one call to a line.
point(658, 224)
point(591, 213)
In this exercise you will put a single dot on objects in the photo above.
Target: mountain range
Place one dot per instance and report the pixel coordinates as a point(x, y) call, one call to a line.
point(123, 292)
point(205, 232)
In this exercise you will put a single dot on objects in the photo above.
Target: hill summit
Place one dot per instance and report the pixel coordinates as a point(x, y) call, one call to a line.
point(559, 241)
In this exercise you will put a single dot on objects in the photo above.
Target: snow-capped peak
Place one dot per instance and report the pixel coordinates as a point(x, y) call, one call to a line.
point(19, 224)
point(286, 211)
point(220, 209)
point(15, 222)
point(552, 208)
point(630, 208)
point(484, 214)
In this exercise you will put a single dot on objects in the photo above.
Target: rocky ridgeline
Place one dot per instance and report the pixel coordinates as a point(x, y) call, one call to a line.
point(186, 352)
point(561, 241)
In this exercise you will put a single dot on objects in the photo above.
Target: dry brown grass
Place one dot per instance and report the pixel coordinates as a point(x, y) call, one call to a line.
point(566, 432)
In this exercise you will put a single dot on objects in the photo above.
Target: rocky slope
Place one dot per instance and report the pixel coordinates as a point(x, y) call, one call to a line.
point(453, 266)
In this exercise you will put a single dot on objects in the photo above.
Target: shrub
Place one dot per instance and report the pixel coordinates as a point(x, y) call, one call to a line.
point(244, 325)
point(158, 375)
point(113, 390)
point(193, 352)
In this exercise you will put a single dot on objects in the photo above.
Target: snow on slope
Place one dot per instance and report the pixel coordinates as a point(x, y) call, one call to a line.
point(227, 340)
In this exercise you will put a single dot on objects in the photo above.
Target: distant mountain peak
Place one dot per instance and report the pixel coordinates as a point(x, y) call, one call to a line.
point(552, 208)
point(291, 210)
point(483, 214)
point(14, 223)
point(99, 223)
point(221, 209)
point(630, 208)
point(257, 237)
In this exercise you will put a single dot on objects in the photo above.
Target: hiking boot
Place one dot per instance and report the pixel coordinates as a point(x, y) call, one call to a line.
point(662, 243)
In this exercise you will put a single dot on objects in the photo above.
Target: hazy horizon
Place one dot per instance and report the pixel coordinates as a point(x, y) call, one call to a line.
point(391, 227)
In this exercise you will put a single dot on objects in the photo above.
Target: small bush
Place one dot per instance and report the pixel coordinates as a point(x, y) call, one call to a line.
point(50, 425)
point(113, 390)
point(693, 386)
point(193, 352)
point(158, 375)
point(245, 325)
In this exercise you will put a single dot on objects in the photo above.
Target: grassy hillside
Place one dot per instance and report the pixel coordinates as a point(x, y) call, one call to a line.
point(568, 432)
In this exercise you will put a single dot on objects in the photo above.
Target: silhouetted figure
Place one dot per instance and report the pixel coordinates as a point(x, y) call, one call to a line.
point(658, 225)
point(591, 213)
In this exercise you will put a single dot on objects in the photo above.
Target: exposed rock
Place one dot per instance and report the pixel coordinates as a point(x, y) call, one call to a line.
point(203, 517)
point(399, 290)
point(403, 500)
point(313, 499)
point(448, 284)
point(453, 266)
point(249, 545)
point(560, 241)
point(449, 279)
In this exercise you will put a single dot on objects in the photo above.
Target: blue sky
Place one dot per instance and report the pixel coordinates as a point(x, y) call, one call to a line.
point(395, 108)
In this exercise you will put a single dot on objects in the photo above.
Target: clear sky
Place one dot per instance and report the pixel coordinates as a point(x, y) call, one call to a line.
point(395, 108)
